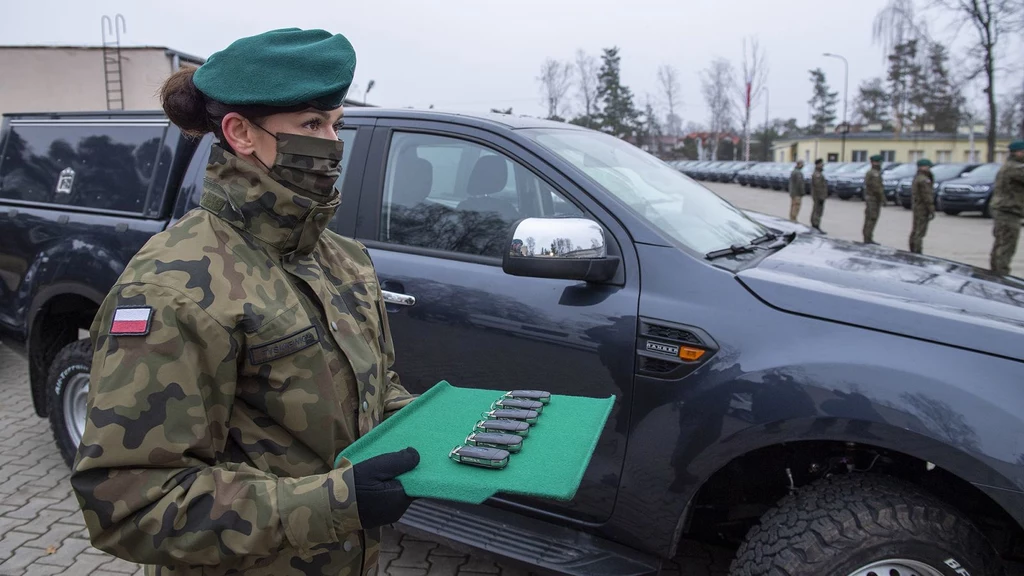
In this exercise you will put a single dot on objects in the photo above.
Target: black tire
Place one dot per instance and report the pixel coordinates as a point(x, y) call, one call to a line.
point(952, 212)
point(844, 196)
point(841, 525)
point(69, 367)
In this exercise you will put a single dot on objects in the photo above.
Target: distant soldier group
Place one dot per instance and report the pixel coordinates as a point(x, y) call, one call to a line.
point(1007, 204)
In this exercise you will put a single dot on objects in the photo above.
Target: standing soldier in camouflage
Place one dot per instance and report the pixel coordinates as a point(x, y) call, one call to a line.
point(796, 190)
point(1007, 209)
point(246, 345)
point(819, 193)
point(874, 198)
point(922, 193)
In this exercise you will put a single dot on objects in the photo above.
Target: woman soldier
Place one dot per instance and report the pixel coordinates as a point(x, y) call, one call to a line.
point(246, 345)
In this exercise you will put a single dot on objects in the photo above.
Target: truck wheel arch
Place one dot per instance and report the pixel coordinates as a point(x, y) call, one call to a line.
point(951, 471)
point(55, 316)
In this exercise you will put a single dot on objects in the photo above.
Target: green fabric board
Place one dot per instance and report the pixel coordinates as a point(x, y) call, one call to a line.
point(551, 464)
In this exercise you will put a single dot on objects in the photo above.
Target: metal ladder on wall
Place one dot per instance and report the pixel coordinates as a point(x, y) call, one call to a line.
point(111, 31)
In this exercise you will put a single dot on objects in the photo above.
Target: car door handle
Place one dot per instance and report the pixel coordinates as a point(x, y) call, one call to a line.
point(397, 298)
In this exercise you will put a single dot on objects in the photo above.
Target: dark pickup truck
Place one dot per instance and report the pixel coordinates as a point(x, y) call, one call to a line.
point(820, 406)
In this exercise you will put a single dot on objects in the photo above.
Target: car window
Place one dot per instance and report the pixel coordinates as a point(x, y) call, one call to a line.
point(681, 209)
point(985, 172)
point(947, 171)
point(903, 171)
point(454, 195)
point(106, 167)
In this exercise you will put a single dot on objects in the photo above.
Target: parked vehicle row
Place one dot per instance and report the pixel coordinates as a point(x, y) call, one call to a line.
point(713, 171)
point(959, 187)
point(941, 172)
point(850, 183)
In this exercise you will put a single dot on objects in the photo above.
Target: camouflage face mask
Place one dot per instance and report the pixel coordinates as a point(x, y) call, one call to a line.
point(307, 165)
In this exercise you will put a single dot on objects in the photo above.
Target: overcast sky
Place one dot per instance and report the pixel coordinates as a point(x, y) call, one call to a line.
point(479, 54)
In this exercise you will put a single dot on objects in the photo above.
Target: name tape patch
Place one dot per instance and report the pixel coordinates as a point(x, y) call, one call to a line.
point(131, 321)
point(288, 345)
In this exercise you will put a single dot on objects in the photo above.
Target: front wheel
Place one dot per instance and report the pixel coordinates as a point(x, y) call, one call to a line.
point(68, 392)
point(864, 525)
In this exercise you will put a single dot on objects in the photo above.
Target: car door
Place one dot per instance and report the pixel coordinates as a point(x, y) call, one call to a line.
point(438, 203)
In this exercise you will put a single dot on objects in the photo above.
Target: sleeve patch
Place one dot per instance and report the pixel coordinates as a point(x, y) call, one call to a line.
point(131, 321)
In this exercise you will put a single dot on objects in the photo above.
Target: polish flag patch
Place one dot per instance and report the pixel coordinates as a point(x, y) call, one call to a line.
point(132, 321)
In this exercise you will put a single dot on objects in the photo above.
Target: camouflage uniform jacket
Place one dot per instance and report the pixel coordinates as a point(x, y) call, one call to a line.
point(922, 194)
point(874, 190)
point(1008, 195)
point(210, 441)
point(819, 187)
point(796, 183)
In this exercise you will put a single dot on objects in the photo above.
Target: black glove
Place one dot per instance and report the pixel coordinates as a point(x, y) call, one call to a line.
point(380, 498)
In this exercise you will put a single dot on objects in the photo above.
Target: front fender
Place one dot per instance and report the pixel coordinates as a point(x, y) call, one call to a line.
point(968, 428)
point(68, 268)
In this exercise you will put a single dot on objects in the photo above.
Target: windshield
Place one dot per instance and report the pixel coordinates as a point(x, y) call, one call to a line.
point(851, 167)
point(986, 172)
point(904, 171)
point(669, 201)
point(946, 171)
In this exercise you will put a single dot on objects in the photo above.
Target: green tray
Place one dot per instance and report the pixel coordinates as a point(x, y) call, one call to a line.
point(551, 464)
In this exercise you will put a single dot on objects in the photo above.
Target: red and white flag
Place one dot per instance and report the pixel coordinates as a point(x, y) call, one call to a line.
point(131, 321)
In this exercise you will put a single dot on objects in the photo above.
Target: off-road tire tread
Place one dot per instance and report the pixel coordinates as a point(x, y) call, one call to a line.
point(836, 516)
point(79, 352)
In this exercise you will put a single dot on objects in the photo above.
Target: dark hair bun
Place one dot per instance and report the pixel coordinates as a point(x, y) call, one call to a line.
point(184, 104)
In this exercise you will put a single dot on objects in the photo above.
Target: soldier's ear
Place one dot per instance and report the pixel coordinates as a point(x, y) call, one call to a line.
point(239, 133)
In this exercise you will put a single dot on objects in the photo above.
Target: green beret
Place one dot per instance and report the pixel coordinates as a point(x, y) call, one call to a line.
point(1017, 146)
point(876, 158)
point(925, 162)
point(286, 67)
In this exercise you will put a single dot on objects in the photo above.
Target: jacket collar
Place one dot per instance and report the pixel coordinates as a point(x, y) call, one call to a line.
point(247, 198)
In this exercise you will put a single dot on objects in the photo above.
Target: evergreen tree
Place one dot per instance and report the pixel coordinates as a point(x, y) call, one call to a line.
point(939, 100)
point(905, 81)
point(650, 130)
point(823, 103)
point(872, 105)
point(618, 115)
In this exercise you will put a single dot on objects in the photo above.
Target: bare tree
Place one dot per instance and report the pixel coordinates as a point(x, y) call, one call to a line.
point(755, 76)
point(668, 80)
point(897, 23)
point(586, 84)
point(717, 83)
point(990, 19)
point(555, 80)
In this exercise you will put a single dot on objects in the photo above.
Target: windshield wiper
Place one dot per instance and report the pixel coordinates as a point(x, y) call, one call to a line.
point(755, 244)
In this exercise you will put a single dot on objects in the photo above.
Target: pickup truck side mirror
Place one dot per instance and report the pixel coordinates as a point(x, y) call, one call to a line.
point(562, 248)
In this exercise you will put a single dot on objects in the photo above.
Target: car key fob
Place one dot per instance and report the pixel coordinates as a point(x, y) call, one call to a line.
point(518, 404)
point(538, 395)
point(528, 416)
point(493, 458)
point(503, 427)
point(509, 442)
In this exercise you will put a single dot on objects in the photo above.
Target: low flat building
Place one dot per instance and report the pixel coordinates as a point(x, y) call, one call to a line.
point(83, 78)
point(894, 147)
